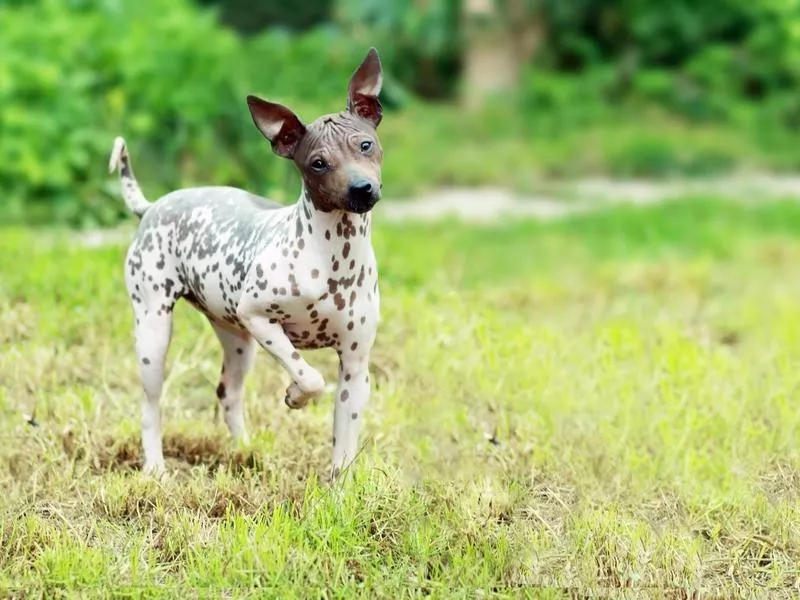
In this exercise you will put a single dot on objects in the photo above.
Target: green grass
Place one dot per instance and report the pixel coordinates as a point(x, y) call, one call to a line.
point(607, 404)
point(501, 145)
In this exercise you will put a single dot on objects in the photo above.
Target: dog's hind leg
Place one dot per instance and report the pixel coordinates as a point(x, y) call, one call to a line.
point(153, 333)
point(352, 397)
point(239, 351)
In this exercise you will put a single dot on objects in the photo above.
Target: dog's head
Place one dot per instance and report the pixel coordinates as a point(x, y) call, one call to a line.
point(338, 155)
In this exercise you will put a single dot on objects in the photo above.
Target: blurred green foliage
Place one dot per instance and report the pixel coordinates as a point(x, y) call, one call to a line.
point(75, 73)
point(423, 42)
point(623, 87)
point(249, 16)
point(708, 60)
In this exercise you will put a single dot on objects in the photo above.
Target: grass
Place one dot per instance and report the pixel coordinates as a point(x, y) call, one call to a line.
point(605, 404)
point(430, 146)
point(502, 145)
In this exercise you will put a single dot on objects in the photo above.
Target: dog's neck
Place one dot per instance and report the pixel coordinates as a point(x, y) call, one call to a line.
point(332, 229)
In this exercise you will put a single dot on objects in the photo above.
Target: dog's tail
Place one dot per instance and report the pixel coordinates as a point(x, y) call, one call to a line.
point(134, 198)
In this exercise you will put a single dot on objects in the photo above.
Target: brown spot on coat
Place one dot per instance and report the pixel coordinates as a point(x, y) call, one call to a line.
point(339, 301)
point(294, 286)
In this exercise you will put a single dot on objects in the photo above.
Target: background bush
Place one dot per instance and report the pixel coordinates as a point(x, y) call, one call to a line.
point(171, 75)
point(75, 74)
point(248, 16)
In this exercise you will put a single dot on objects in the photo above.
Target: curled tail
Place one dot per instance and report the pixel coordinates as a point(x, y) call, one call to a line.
point(134, 198)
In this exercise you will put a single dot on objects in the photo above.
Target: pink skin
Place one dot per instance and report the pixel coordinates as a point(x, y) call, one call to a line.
point(284, 278)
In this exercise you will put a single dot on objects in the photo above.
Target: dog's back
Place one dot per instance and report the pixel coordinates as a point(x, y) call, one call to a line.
point(184, 238)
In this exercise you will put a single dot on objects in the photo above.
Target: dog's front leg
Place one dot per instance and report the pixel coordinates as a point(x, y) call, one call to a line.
point(307, 382)
point(352, 397)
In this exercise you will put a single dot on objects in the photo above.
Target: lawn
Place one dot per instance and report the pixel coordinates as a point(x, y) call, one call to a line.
point(606, 403)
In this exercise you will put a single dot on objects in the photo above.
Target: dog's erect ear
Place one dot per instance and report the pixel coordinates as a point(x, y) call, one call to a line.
point(278, 124)
point(365, 85)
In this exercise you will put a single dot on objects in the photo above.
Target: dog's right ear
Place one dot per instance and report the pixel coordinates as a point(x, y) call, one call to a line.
point(364, 88)
point(278, 124)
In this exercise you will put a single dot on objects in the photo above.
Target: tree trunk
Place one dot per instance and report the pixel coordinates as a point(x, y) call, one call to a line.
point(498, 47)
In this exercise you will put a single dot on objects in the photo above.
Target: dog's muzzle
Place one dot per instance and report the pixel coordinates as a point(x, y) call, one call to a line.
point(362, 196)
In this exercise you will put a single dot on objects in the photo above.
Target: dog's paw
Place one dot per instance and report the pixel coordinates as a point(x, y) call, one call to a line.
point(241, 439)
point(295, 397)
point(155, 469)
point(299, 393)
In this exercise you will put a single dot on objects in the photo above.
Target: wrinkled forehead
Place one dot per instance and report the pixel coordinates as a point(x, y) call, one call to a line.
point(333, 131)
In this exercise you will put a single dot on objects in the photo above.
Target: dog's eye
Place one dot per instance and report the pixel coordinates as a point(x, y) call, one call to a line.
point(366, 146)
point(319, 165)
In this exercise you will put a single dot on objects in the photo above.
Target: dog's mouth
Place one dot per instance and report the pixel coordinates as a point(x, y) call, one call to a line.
point(361, 206)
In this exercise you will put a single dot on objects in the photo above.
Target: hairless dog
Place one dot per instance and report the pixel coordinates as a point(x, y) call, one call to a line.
point(285, 278)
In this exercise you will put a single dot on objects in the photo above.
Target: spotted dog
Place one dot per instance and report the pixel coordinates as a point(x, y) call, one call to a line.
point(285, 278)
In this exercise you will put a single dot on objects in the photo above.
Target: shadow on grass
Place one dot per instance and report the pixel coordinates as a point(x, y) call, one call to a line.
point(181, 451)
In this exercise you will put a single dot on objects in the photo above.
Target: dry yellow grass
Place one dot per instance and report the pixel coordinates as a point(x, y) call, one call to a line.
point(607, 405)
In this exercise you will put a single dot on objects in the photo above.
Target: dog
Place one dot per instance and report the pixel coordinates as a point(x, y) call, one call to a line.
point(285, 278)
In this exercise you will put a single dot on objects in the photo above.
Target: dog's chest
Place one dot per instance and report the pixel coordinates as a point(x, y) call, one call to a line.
point(343, 314)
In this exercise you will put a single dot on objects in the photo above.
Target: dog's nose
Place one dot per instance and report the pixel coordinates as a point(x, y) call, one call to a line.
point(361, 188)
point(362, 196)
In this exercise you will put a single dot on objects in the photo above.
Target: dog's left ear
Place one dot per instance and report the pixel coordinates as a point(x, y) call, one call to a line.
point(365, 85)
point(278, 124)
